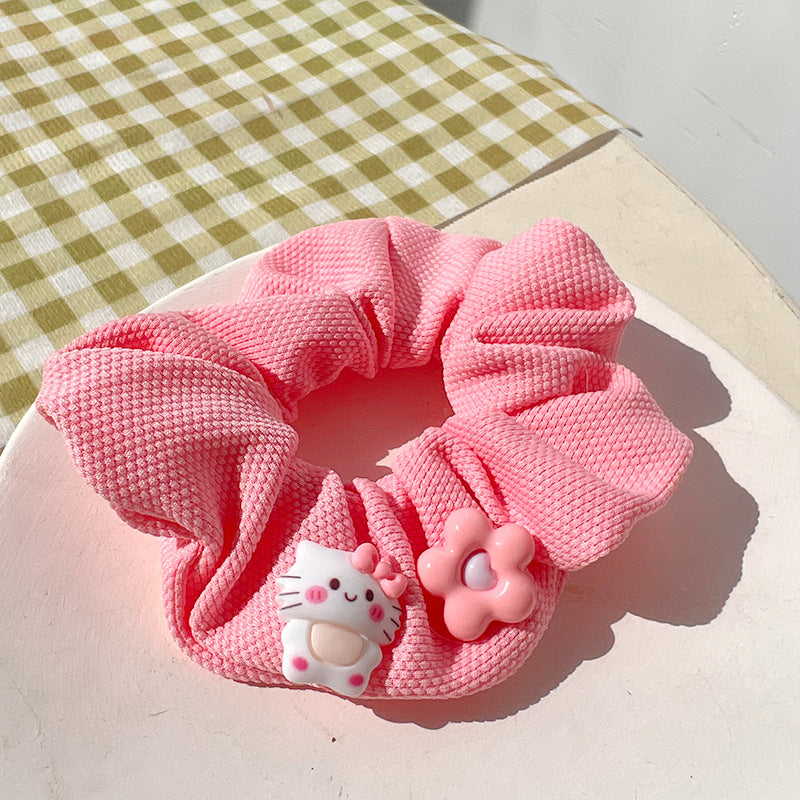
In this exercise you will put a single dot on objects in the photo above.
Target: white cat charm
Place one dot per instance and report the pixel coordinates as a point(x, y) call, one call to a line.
point(339, 608)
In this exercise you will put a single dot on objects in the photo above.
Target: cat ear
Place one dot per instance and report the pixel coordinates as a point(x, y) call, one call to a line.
point(365, 558)
point(308, 552)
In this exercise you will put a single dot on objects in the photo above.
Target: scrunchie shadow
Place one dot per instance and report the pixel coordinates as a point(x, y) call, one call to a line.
point(678, 567)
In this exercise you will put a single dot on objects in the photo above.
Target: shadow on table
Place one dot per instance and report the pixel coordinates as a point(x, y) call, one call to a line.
point(678, 567)
point(460, 11)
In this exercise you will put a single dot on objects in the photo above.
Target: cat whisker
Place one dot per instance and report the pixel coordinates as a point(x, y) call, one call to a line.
point(289, 576)
point(397, 608)
point(386, 634)
point(283, 594)
point(283, 608)
point(394, 622)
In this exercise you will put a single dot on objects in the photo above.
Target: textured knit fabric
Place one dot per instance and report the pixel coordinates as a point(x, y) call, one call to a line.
point(181, 421)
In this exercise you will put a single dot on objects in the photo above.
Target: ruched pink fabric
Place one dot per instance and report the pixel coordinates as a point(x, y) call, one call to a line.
point(182, 422)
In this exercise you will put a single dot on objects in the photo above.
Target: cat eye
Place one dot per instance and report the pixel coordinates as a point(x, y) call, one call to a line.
point(370, 595)
point(334, 583)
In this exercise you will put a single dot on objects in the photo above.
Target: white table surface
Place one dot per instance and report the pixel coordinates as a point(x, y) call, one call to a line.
point(669, 669)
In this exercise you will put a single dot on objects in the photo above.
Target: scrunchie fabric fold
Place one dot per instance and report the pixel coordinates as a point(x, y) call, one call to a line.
point(182, 422)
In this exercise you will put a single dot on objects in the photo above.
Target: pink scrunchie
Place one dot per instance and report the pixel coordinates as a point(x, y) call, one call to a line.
point(181, 421)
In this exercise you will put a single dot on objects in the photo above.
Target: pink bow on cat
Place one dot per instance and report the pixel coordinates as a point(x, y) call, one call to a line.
point(365, 559)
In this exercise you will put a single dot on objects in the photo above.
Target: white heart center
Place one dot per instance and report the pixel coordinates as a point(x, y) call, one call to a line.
point(477, 572)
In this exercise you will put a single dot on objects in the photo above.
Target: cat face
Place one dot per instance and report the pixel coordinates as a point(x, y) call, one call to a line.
point(323, 586)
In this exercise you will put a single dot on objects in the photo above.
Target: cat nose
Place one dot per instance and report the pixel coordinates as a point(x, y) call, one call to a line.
point(350, 599)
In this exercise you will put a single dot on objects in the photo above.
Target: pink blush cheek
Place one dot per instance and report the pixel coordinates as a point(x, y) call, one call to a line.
point(316, 594)
point(375, 613)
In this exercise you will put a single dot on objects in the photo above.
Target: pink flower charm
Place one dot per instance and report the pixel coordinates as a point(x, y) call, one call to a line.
point(480, 572)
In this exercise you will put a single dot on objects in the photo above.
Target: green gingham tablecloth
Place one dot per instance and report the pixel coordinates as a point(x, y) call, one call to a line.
point(143, 144)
